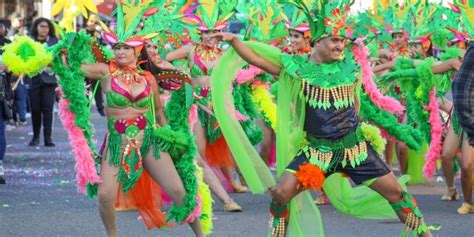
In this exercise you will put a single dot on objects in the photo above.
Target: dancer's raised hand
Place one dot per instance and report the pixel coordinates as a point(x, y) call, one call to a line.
point(223, 36)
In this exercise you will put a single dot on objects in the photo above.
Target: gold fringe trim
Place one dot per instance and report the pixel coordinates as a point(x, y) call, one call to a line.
point(354, 156)
point(324, 157)
point(319, 97)
point(355, 151)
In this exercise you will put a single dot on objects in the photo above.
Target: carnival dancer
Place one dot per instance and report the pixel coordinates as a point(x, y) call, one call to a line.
point(414, 38)
point(254, 82)
point(300, 43)
point(399, 47)
point(299, 33)
point(201, 58)
point(455, 137)
point(318, 122)
point(426, 74)
point(136, 147)
point(157, 65)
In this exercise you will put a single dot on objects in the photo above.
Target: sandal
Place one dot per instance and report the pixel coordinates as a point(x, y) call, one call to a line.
point(232, 206)
point(322, 200)
point(239, 188)
point(451, 195)
point(466, 208)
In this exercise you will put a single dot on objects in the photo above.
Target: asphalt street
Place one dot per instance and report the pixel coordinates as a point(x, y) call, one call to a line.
point(40, 199)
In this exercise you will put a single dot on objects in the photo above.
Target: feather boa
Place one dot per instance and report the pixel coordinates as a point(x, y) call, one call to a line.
point(85, 165)
point(193, 116)
point(240, 116)
point(178, 119)
point(76, 111)
point(373, 135)
point(361, 53)
point(195, 213)
point(246, 75)
point(26, 56)
point(403, 132)
point(263, 99)
point(206, 203)
point(436, 130)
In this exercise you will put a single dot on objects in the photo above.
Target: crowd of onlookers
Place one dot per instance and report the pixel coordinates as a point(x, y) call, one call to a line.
point(16, 93)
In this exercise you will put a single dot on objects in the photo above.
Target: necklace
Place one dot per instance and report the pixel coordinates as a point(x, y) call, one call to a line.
point(207, 53)
point(304, 51)
point(126, 74)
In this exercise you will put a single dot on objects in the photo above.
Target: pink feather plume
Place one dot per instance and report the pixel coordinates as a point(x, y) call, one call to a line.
point(193, 114)
point(361, 53)
point(196, 213)
point(434, 152)
point(240, 116)
point(85, 165)
point(246, 75)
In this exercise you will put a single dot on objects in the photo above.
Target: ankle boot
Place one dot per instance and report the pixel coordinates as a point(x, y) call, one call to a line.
point(35, 140)
point(47, 138)
point(36, 131)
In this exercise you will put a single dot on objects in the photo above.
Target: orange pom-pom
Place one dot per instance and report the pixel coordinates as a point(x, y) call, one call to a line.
point(310, 176)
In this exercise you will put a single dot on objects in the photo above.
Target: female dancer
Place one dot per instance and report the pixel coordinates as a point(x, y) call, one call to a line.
point(156, 65)
point(130, 100)
point(454, 136)
point(135, 147)
point(202, 58)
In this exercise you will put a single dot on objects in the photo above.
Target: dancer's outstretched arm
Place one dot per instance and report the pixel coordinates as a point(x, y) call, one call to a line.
point(248, 54)
point(448, 65)
point(95, 71)
point(181, 53)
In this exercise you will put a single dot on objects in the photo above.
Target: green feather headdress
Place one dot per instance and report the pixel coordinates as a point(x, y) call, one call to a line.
point(129, 14)
point(392, 16)
point(327, 17)
point(210, 14)
point(421, 14)
point(166, 24)
point(264, 20)
point(466, 8)
point(295, 16)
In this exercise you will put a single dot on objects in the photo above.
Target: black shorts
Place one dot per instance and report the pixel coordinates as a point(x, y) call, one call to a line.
point(372, 167)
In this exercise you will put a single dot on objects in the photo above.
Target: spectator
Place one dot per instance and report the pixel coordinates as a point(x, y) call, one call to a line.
point(5, 93)
point(42, 87)
point(3, 39)
point(4, 96)
point(17, 26)
point(20, 94)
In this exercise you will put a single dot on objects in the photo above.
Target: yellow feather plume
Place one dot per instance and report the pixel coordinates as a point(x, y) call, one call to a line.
point(71, 9)
point(132, 10)
point(208, 6)
point(206, 203)
point(263, 99)
point(468, 12)
point(24, 56)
